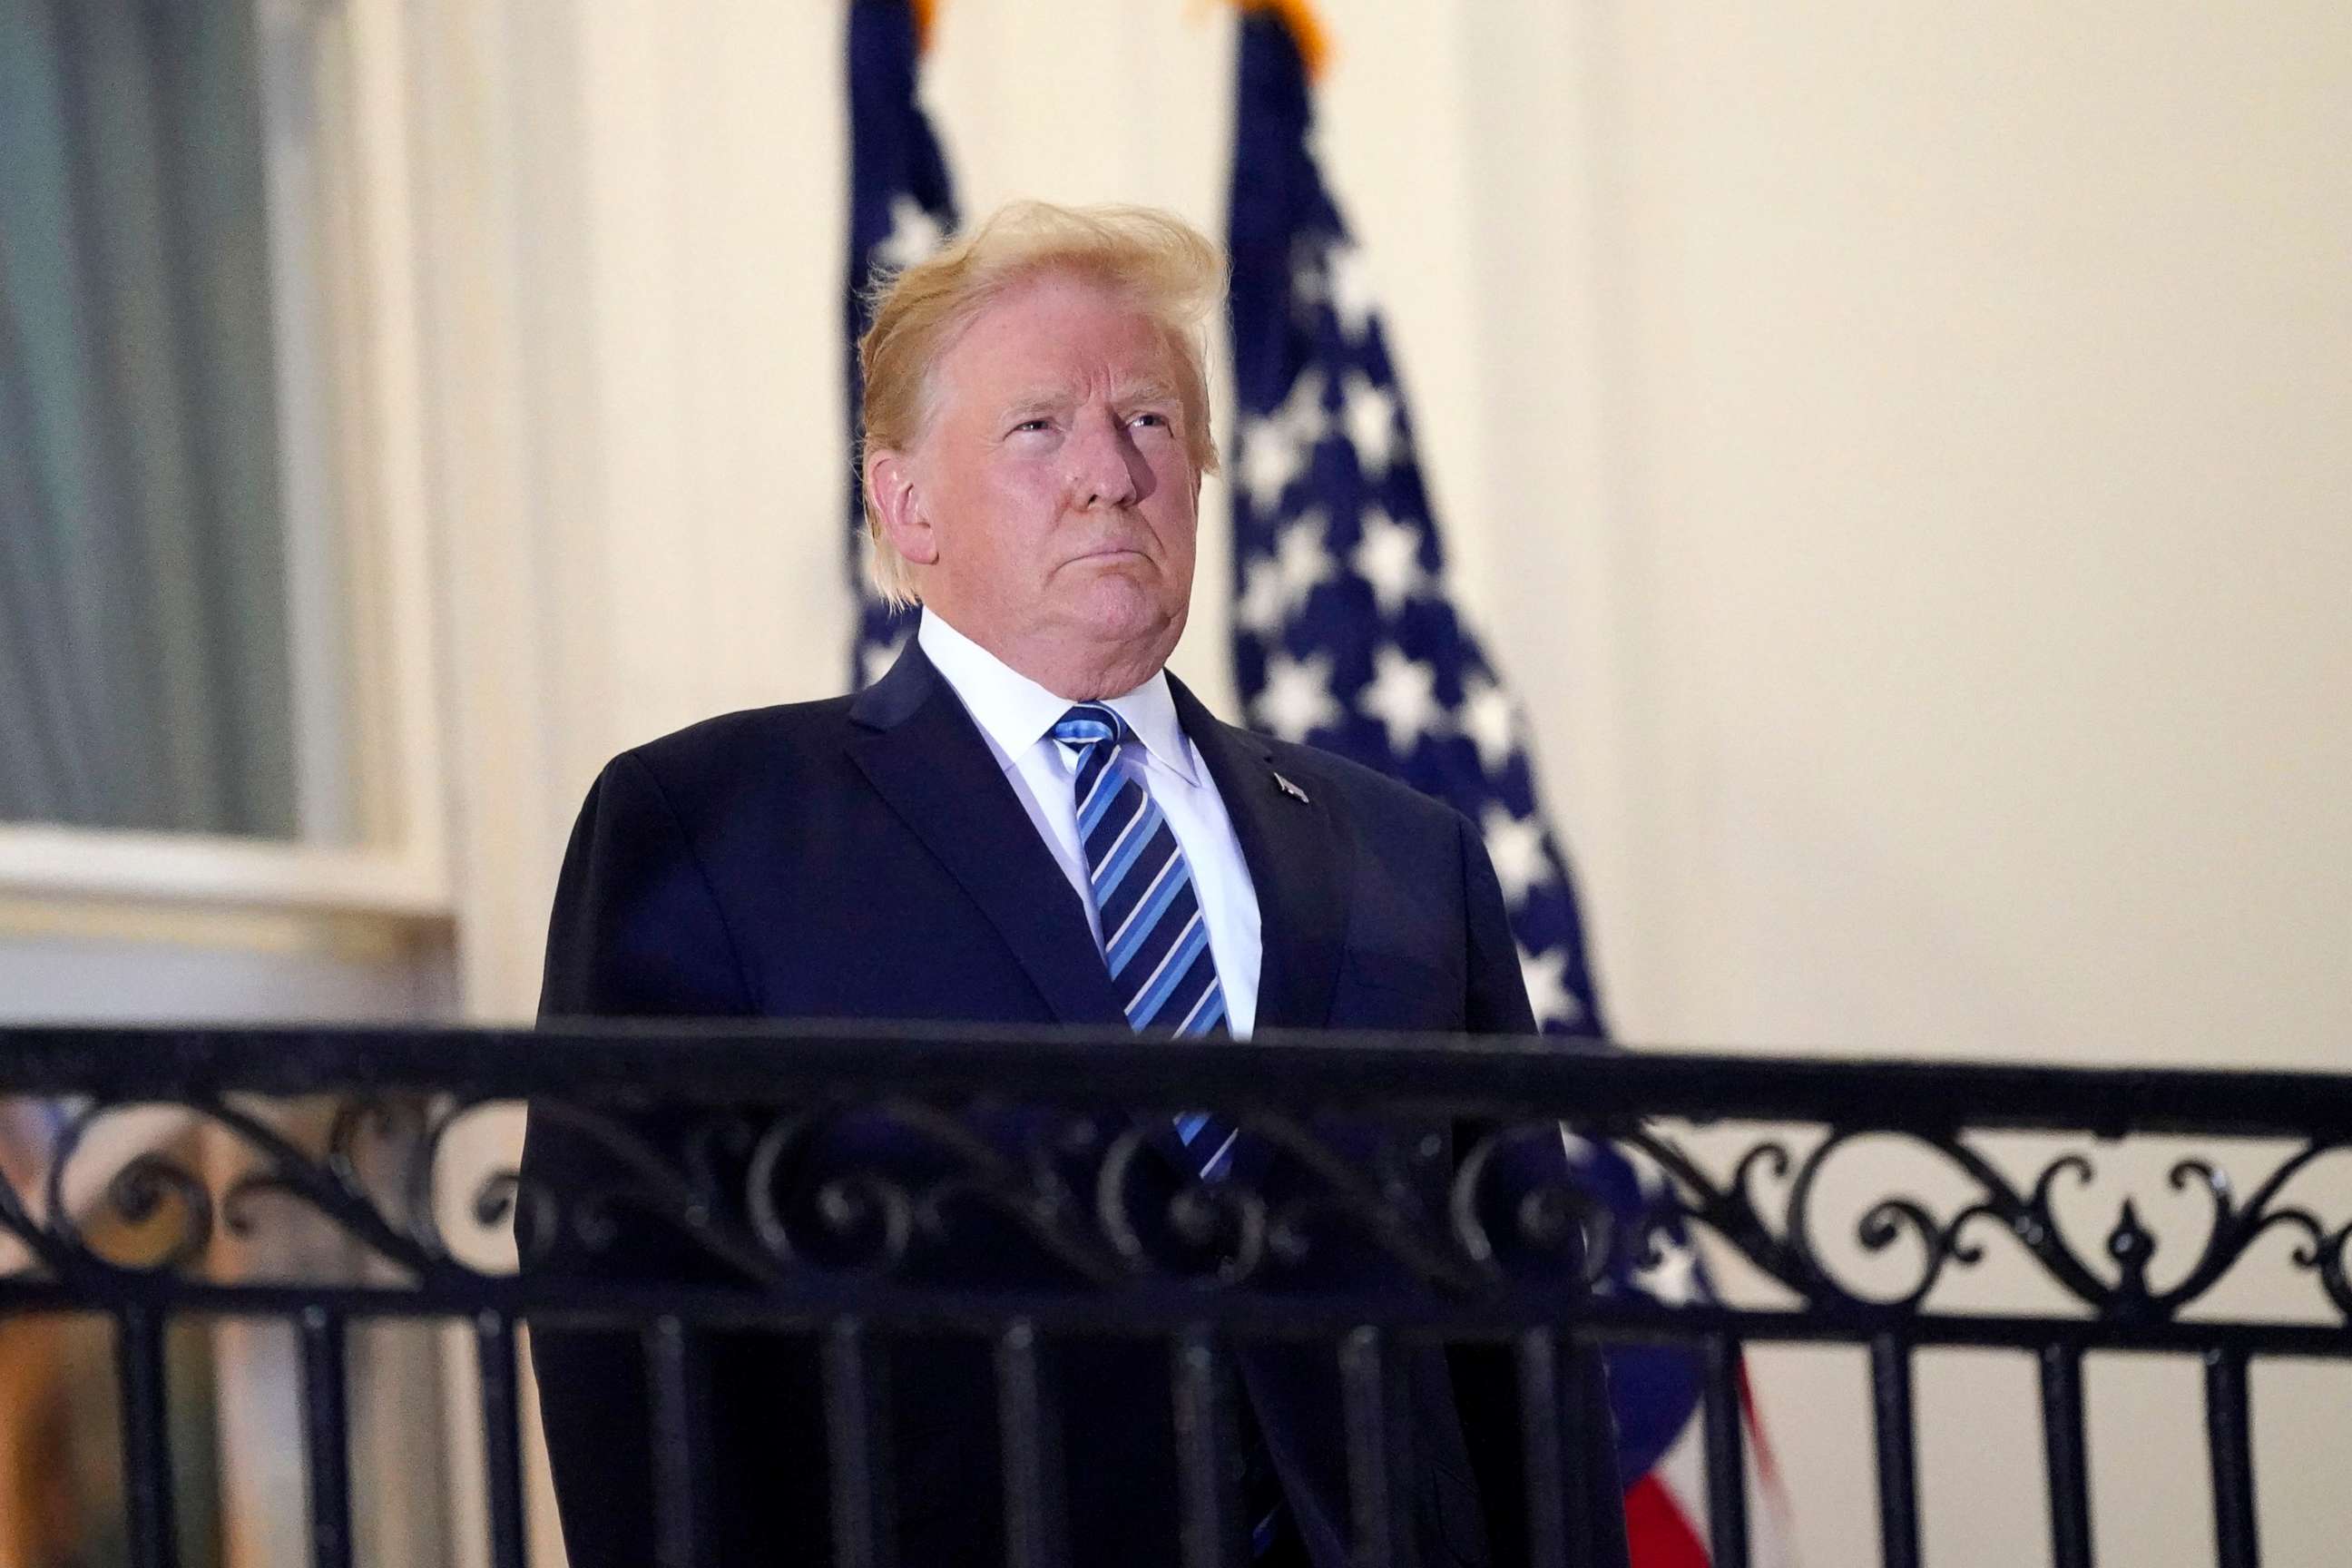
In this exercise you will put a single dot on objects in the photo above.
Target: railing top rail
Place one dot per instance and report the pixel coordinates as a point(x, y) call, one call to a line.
point(703, 1061)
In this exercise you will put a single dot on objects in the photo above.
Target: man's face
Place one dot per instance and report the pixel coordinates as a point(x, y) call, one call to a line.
point(1054, 488)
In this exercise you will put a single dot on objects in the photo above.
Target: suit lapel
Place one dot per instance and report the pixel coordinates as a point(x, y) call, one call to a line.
point(926, 757)
point(1298, 859)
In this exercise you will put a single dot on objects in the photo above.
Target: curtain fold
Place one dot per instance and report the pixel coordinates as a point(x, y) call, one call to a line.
point(144, 655)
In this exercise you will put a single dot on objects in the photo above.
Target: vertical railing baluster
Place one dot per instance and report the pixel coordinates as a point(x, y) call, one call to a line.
point(1584, 1401)
point(1032, 1520)
point(1206, 1448)
point(494, 1364)
point(1727, 1466)
point(2229, 1437)
point(1381, 1503)
point(146, 1438)
point(1899, 1471)
point(1546, 1477)
point(327, 1435)
point(856, 1431)
point(2067, 1455)
point(680, 1456)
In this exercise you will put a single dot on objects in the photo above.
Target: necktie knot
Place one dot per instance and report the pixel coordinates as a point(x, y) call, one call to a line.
point(1089, 725)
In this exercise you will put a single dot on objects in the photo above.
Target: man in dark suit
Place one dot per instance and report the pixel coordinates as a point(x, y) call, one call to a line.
point(1028, 822)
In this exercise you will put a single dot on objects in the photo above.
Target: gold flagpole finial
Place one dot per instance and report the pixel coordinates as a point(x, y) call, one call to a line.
point(1307, 28)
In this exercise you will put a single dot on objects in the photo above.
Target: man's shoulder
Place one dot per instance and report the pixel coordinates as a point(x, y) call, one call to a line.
point(775, 744)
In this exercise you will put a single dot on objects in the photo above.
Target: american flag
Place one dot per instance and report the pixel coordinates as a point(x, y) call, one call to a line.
point(1345, 637)
point(901, 209)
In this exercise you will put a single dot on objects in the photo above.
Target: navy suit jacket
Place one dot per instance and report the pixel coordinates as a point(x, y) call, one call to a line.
point(864, 857)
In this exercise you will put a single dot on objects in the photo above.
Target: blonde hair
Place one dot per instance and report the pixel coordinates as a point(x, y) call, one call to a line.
point(1171, 272)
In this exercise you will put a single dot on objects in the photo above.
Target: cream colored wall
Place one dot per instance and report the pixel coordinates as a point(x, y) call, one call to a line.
point(1973, 390)
point(1899, 454)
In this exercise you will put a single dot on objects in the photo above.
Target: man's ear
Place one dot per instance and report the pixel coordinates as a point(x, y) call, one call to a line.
point(890, 491)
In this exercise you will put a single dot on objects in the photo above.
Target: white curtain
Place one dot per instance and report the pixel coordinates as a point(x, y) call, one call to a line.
point(143, 666)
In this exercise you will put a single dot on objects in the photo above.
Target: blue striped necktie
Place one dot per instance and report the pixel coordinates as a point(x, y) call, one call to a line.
point(1155, 938)
point(1156, 943)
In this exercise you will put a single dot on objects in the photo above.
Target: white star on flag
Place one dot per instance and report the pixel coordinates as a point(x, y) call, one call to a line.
point(1371, 413)
point(1302, 414)
point(1486, 719)
point(1546, 977)
point(1305, 560)
point(914, 233)
point(1671, 1276)
point(1297, 699)
point(1515, 844)
point(1389, 558)
point(1352, 297)
point(1402, 695)
point(1272, 459)
point(1263, 597)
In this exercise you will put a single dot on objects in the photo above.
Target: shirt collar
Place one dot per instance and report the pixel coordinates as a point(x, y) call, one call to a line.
point(1014, 712)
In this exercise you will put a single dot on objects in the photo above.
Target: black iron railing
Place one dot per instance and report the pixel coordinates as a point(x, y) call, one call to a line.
point(711, 1133)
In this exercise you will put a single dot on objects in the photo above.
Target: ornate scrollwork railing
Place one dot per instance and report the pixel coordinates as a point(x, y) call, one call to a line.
point(1514, 1192)
point(1459, 1174)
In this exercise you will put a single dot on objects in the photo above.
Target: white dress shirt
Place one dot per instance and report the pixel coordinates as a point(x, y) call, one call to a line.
point(1015, 716)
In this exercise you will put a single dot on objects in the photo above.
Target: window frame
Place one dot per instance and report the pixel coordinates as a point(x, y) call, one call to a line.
point(332, 80)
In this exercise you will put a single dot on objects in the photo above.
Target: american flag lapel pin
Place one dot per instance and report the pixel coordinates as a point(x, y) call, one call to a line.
point(1292, 790)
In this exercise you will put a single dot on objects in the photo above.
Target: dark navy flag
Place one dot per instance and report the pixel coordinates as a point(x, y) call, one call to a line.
point(901, 209)
point(1345, 637)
